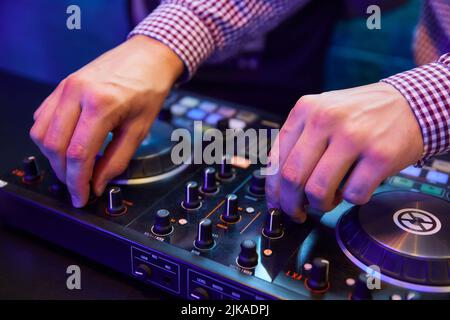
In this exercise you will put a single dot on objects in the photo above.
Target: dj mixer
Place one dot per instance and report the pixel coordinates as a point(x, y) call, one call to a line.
point(205, 232)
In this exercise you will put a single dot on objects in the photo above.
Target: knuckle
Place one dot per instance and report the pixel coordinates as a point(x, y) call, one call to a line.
point(380, 155)
point(72, 82)
point(316, 193)
point(322, 118)
point(52, 146)
point(36, 135)
point(77, 152)
point(356, 196)
point(290, 176)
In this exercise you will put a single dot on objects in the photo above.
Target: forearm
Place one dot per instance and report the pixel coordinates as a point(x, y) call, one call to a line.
point(195, 30)
point(427, 90)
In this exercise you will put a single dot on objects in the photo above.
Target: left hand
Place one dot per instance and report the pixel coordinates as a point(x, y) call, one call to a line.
point(369, 132)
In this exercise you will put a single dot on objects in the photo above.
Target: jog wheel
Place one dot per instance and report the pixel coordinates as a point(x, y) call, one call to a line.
point(152, 160)
point(406, 234)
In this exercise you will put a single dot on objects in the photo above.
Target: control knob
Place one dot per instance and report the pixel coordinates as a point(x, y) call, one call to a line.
point(318, 275)
point(162, 226)
point(274, 224)
point(248, 257)
point(231, 214)
point(31, 170)
point(204, 238)
point(116, 205)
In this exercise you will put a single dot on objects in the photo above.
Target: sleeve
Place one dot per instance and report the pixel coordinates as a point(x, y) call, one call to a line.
point(196, 29)
point(427, 89)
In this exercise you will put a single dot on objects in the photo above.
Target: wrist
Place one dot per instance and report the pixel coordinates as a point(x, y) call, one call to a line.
point(168, 65)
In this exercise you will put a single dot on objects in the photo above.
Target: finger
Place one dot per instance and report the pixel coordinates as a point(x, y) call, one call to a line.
point(322, 186)
point(364, 179)
point(297, 170)
point(88, 137)
point(117, 155)
point(60, 131)
point(284, 142)
point(42, 120)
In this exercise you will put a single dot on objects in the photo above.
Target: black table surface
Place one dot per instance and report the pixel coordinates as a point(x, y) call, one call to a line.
point(31, 268)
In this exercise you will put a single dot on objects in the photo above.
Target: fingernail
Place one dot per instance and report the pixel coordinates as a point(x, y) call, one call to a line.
point(76, 202)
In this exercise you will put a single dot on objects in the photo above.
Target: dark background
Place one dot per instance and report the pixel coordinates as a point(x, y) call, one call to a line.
point(37, 51)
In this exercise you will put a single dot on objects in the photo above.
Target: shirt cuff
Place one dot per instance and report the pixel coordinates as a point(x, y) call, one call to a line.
point(182, 31)
point(427, 90)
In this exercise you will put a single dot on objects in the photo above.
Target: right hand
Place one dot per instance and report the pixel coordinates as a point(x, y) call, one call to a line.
point(122, 92)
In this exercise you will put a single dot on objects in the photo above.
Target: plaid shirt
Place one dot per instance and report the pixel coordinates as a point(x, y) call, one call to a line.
point(196, 30)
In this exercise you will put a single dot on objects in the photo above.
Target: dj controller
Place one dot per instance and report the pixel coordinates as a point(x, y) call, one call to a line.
point(205, 232)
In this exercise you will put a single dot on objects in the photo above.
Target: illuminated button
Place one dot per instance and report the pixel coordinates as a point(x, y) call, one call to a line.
point(213, 118)
point(183, 123)
point(196, 114)
point(402, 182)
point(247, 116)
point(189, 102)
point(178, 110)
point(442, 165)
point(234, 123)
point(227, 112)
point(412, 171)
point(208, 106)
point(396, 296)
point(433, 190)
point(436, 176)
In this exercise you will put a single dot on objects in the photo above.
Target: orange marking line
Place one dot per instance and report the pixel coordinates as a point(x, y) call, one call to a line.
point(221, 226)
point(217, 207)
point(251, 221)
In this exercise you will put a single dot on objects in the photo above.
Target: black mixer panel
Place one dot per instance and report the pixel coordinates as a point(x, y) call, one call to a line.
point(205, 232)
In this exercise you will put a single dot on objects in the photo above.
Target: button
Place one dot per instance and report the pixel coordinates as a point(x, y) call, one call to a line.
point(227, 112)
point(189, 102)
point(436, 176)
point(196, 114)
point(143, 272)
point(178, 110)
point(208, 106)
point(115, 201)
point(402, 182)
point(162, 226)
point(31, 170)
point(213, 118)
point(191, 196)
point(199, 294)
point(318, 275)
point(441, 165)
point(209, 181)
point(226, 171)
point(433, 190)
point(247, 116)
point(231, 213)
point(257, 183)
point(204, 239)
point(234, 123)
point(183, 123)
point(248, 257)
point(412, 171)
point(274, 224)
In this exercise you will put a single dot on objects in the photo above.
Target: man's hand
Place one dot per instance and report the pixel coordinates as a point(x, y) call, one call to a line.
point(369, 132)
point(121, 92)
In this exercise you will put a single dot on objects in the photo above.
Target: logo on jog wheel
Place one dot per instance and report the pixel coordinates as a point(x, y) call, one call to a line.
point(417, 221)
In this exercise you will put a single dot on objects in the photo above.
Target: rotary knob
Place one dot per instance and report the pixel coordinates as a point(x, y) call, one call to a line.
point(204, 238)
point(361, 290)
point(231, 213)
point(274, 224)
point(226, 171)
point(257, 183)
point(143, 272)
point(248, 257)
point(209, 181)
point(318, 275)
point(191, 196)
point(162, 226)
point(116, 205)
point(31, 170)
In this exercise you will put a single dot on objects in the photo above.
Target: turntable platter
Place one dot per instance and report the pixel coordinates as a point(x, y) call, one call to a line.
point(152, 160)
point(406, 234)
